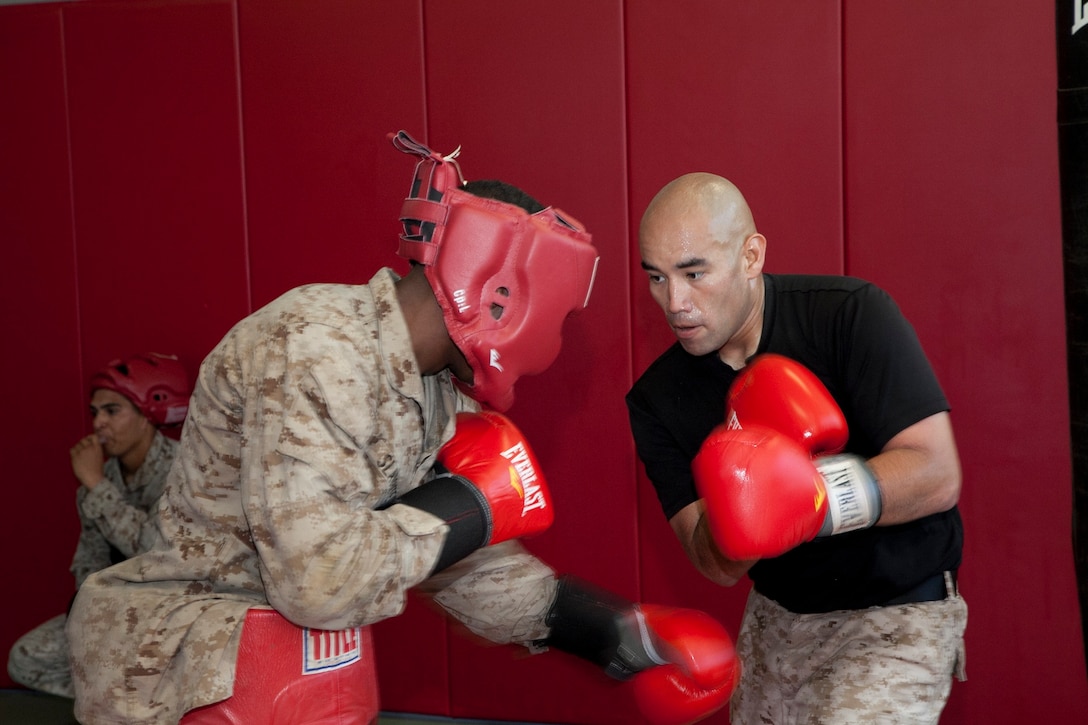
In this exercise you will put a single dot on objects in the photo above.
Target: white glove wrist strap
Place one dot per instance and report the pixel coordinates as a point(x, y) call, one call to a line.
point(853, 496)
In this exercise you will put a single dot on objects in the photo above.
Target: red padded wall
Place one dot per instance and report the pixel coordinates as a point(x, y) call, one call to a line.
point(156, 164)
point(953, 205)
point(540, 104)
point(123, 202)
point(40, 364)
point(322, 85)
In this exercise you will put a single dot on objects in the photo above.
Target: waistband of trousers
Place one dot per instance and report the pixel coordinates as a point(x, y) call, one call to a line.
point(942, 585)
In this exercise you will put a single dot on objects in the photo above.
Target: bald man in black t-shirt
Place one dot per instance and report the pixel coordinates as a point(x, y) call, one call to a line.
point(863, 626)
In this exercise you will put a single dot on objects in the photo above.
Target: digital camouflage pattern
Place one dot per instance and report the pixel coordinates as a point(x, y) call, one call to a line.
point(114, 514)
point(307, 418)
point(879, 666)
point(118, 514)
point(39, 659)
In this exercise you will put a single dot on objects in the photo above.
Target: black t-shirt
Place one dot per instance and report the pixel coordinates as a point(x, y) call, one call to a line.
point(852, 336)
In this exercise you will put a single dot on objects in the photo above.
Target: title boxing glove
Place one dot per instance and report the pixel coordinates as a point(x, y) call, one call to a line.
point(680, 663)
point(701, 673)
point(489, 487)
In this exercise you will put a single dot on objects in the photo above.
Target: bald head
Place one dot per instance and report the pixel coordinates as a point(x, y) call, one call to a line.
point(704, 261)
point(703, 203)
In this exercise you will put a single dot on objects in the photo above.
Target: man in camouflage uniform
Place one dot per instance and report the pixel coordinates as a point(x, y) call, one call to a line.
point(121, 468)
point(303, 479)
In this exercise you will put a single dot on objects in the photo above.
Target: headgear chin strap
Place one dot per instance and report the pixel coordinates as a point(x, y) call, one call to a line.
point(505, 279)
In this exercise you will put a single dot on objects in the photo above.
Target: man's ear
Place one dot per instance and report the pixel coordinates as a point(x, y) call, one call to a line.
point(754, 249)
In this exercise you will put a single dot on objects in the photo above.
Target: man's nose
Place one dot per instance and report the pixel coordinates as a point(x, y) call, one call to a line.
point(678, 299)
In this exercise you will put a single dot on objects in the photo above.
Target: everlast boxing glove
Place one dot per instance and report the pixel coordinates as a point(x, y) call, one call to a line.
point(680, 663)
point(764, 493)
point(489, 487)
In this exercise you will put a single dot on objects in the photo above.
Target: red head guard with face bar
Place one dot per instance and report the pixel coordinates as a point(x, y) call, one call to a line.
point(505, 279)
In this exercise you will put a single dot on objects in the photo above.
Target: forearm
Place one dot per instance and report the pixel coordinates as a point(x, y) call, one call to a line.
point(123, 525)
point(501, 593)
point(918, 472)
point(355, 569)
point(690, 526)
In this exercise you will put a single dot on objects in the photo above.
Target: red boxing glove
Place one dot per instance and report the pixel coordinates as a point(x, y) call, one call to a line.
point(701, 673)
point(490, 453)
point(488, 487)
point(680, 663)
point(763, 494)
point(784, 395)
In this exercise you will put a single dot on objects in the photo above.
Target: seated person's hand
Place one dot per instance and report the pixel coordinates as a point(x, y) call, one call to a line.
point(88, 461)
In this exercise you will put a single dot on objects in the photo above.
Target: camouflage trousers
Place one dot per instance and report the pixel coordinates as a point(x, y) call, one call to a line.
point(884, 665)
point(39, 659)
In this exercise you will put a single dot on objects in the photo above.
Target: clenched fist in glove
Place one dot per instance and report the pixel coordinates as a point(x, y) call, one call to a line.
point(764, 491)
point(489, 487)
point(784, 395)
point(680, 663)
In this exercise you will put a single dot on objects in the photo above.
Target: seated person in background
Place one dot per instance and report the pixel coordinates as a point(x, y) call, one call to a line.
point(121, 468)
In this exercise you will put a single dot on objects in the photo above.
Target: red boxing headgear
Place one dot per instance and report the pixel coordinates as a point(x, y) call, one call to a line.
point(482, 254)
point(156, 384)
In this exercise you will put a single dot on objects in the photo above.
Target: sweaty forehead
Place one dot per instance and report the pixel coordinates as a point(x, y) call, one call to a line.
point(679, 246)
point(687, 261)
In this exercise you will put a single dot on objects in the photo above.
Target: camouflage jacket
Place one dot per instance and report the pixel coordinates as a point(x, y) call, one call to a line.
point(307, 419)
point(119, 515)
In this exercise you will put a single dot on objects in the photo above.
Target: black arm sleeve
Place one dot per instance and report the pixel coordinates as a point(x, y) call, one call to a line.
point(601, 627)
point(461, 505)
